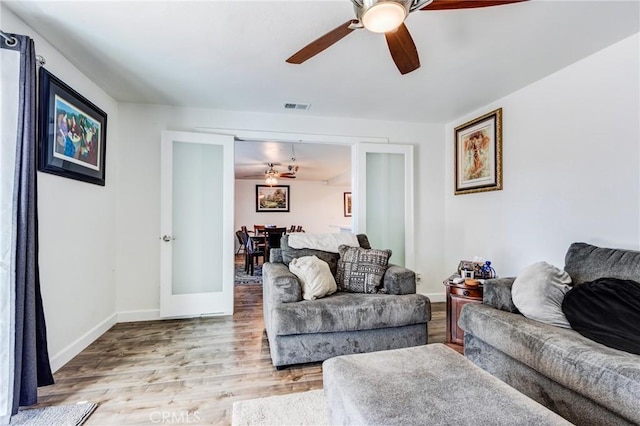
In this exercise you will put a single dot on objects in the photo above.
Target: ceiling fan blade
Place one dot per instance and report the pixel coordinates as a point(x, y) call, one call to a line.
point(287, 175)
point(403, 49)
point(317, 46)
point(466, 4)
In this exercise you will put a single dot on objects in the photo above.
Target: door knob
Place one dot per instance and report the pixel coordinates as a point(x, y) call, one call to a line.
point(167, 238)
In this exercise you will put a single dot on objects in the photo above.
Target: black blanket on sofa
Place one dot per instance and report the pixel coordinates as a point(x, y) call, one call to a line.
point(607, 311)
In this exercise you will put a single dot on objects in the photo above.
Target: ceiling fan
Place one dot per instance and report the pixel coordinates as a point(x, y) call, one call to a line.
point(272, 173)
point(387, 16)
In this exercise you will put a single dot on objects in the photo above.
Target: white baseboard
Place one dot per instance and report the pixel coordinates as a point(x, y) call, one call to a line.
point(66, 354)
point(145, 315)
point(436, 297)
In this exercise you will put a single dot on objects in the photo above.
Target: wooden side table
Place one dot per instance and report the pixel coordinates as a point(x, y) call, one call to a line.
point(457, 296)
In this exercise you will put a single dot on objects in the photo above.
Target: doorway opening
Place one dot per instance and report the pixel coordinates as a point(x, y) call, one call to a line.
point(311, 180)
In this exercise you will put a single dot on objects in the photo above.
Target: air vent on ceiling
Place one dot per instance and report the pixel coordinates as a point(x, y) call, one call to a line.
point(303, 107)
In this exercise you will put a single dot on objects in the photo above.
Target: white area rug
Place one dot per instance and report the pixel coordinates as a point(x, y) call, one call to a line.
point(304, 408)
point(60, 415)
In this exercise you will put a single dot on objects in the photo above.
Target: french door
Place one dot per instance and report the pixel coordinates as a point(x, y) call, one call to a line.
point(197, 235)
point(383, 189)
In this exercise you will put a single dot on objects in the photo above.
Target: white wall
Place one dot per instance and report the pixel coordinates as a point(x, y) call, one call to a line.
point(77, 222)
point(571, 168)
point(313, 205)
point(571, 172)
point(139, 192)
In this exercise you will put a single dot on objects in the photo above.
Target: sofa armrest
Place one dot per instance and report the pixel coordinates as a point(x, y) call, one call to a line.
point(279, 285)
point(497, 294)
point(275, 255)
point(399, 280)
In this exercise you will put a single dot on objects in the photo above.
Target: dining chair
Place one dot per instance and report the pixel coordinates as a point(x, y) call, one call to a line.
point(241, 247)
point(253, 252)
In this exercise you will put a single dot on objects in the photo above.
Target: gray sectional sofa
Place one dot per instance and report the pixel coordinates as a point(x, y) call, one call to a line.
point(301, 331)
point(585, 382)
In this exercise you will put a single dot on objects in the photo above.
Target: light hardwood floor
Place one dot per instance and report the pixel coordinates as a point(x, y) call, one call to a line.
point(189, 371)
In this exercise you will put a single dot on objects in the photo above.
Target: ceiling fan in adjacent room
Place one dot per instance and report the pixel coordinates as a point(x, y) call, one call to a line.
point(387, 16)
point(271, 174)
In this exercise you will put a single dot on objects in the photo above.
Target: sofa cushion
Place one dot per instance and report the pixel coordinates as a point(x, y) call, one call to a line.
point(288, 253)
point(607, 311)
point(361, 270)
point(602, 374)
point(538, 292)
point(585, 262)
point(315, 277)
point(350, 312)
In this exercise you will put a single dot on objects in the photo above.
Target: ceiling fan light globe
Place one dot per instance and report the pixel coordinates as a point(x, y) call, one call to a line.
point(384, 17)
point(271, 181)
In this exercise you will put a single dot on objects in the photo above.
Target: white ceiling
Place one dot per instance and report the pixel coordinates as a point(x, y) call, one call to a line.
point(330, 163)
point(231, 55)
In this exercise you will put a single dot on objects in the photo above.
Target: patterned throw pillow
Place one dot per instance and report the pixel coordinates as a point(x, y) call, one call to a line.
point(361, 270)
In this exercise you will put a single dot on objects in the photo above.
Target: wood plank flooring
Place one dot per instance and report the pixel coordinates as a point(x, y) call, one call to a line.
point(185, 371)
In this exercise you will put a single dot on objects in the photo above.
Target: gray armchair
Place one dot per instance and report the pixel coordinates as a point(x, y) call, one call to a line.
point(301, 331)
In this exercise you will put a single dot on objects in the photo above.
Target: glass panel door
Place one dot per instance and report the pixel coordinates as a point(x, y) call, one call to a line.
point(197, 225)
point(385, 199)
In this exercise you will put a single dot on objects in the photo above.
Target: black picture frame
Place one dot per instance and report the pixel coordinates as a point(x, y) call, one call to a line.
point(272, 198)
point(72, 132)
point(346, 202)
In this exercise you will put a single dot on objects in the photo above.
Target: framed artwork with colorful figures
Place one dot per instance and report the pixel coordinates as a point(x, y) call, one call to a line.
point(72, 132)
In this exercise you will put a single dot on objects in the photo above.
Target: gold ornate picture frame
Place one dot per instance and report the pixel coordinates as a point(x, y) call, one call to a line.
point(478, 154)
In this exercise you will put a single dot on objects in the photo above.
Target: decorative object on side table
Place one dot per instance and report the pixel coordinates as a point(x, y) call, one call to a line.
point(72, 132)
point(272, 198)
point(458, 294)
point(476, 268)
point(478, 154)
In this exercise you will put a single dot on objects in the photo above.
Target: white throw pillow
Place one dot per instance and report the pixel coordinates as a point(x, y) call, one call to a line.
point(314, 275)
point(538, 292)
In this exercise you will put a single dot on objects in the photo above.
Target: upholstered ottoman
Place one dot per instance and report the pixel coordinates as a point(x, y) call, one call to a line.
point(429, 384)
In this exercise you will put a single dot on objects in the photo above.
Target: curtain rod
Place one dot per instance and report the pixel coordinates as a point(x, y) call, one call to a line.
point(11, 41)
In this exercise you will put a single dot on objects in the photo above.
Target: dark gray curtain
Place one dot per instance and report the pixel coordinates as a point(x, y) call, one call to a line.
point(32, 367)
